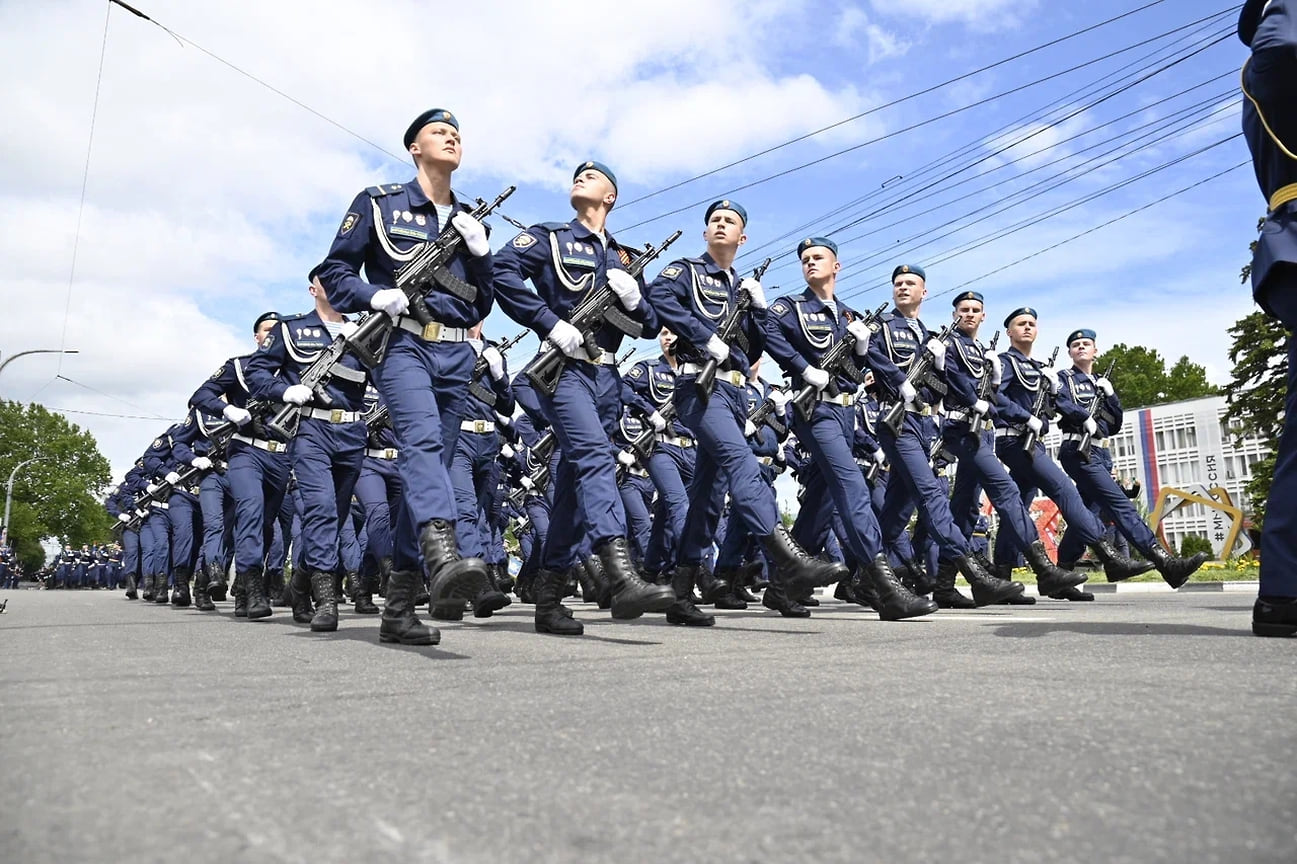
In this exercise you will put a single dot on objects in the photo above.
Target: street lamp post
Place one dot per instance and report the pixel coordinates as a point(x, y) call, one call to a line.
point(13, 357)
point(9, 492)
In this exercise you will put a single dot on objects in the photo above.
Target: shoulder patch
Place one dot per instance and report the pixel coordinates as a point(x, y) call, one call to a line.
point(671, 272)
point(267, 342)
point(157, 442)
point(523, 240)
point(636, 371)
point(217, 373)
point(779, 307)
point(348, 222)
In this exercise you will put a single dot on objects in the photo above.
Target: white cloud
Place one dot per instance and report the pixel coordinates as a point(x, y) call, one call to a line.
point(978, 14)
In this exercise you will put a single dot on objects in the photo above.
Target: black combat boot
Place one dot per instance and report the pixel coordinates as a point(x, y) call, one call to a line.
point(585, 578)
point(490, 601)
point(349, 580)
point(258, 603)
point(503, 581)
point(1274, 616)
point(845, 591)
point(797, 571)
point(862, 589)
point(914, 576)
point(363, 594)
point(160, 588)
point(730, 597)
point(551, 615)
point(447, 610)
point(1175, 570)
point(298, 595)
point(202, 601)
point(525, 588)
point(1116, 566)
point(147, 587)
point(399, 623)
point(454, 577)
point(1050, 579)
point(631, 595)
point(987, 589)
point(180, 597)
point(240, 596)
point(1004, 572)
point(324, 588)
point(946, 594)
point(384, 573)
point(218, 586)
point(710, 585)
point(776, 597)
point(1073, 594)
point(683, 611)
point(756, 577)
point(277, 587)
point(895, 601)
point(131, 593)
point(602, 588)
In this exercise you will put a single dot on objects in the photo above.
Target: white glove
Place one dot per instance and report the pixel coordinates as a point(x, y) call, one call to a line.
point(173, 478)
point(981, 406)
point(503, 420)
point(1034, 424)
point(1052, 376)
point(1090, 425)
point(816, 377)
point(908, 393)
point(297, 394)
point(755, 292)
point(236, 415)
point(997, 370)
point(390, 300)
point(151, 488)
point(473, 233)
point(879, 456)
point(506, 451)
point(123, 517)
point(780, 398)
point(749, 428)
point(938, 350)
point(625, 287)
point(202, 463)
point(494, 362)
point(658, 421)
point(527, 484)
point(861, 331)
point(717, 348)
point(626, 458)
point(567, 339)
point(1103, 384)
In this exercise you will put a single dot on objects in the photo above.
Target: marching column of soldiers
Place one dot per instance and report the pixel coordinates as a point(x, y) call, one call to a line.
point(381, 437)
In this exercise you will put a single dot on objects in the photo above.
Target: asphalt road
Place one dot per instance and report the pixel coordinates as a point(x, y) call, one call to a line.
point(1141, 727)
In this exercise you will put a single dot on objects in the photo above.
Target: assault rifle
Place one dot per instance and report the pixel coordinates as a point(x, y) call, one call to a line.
point(600, 305)
point(1087, 440)
point(768, 414)
point(642, 444)
point(1038, 407)
point(729, 328)
point(835, 361)
point(984, 387)
point(919, 375)
point(481, 368)
point(367, 340)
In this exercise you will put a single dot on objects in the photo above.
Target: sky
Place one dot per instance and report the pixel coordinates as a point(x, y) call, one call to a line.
point(151, 208)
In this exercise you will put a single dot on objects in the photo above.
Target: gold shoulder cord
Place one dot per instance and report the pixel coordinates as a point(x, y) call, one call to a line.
point(1286, 193)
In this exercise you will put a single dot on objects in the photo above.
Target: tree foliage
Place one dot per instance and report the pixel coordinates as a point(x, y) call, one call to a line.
point(59, 494)
point(1142, 378)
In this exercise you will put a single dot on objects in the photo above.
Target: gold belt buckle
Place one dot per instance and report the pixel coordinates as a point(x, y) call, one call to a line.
point(272, 446)
point(389, 453)
point(479, 425)
point(335, 416)
point(432, 331)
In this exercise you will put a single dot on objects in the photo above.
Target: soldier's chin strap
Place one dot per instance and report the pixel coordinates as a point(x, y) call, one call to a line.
point(1286, 193)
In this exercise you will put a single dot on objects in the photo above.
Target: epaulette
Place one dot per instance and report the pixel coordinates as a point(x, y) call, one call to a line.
point(693, 260)
point(553, 226)
point(298, 317)
point(380, 191)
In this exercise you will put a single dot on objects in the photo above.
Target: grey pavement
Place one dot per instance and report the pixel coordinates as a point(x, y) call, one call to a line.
point(1139, 727)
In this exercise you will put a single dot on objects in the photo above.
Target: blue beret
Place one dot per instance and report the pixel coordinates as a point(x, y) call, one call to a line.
point(816, 241)
point(910, 268)
point(264, 316)
point(603, 169)
point(1249, 19)
point(1083, 333)
point(726, 205)
point(1021, 310)
point(967, 295)
point(432, 115)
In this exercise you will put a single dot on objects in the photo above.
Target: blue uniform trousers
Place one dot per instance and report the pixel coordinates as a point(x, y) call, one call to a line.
point(913, 483)
point(281, 532)
point(425, 386)
point(258, 480)
point(1094, 481)
point(182, 513)
point(979, 469)
point(1278, 532)
point(131, 554)
point(672, 470)
point(379, 491)
point(586, 506)
point(350, 544)
point(472, 475)
point(217, 505)
point(155, 544)
point(326, 462)
point(538, 509)
point(1039, 472)
point(636, 494)
point(826, 436)
point(724, 462)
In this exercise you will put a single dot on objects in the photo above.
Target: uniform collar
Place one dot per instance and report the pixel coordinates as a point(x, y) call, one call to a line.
point(1014, 352)
point(417, 199)
point(712, 267)
point(815, 303)
point(579, 229)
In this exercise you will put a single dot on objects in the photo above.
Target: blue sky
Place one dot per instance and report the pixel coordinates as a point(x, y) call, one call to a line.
point(208, 196)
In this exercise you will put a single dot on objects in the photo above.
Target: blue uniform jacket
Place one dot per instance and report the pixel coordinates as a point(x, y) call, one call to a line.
point(288, 350)
point(383, 229)
point(646, 388)
point(229, 381)
point(1076, 393)
point(692, 297)
point(1020, 382)
point(966, 367)
point(800, 328)
point(892, 351)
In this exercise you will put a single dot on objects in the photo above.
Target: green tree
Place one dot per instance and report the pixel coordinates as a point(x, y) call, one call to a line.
point(1255, 394)
point(59, 494)
point(1141, 377)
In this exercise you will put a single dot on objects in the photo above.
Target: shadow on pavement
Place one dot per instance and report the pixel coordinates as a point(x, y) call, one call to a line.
point(370, 637)
point(1035, 630)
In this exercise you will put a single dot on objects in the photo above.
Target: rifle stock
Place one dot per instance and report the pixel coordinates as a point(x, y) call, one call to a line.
point(984, 387)
point(919, 369)
point(833, 361)
point(1087, 440)
point(706, 379)
point(1029, 440)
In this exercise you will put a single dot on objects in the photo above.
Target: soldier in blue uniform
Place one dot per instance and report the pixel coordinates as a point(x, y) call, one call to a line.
point(214, 500)
point(968, 433)
point(155, 532)
point(1021, 378)
point(424, 375)
point(694, 296)
point(633, 482)
point(1269, 28)
point(566, 262)
point(1088, 404)
point(182, 507)
point(379, 491)
point(326, 450)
